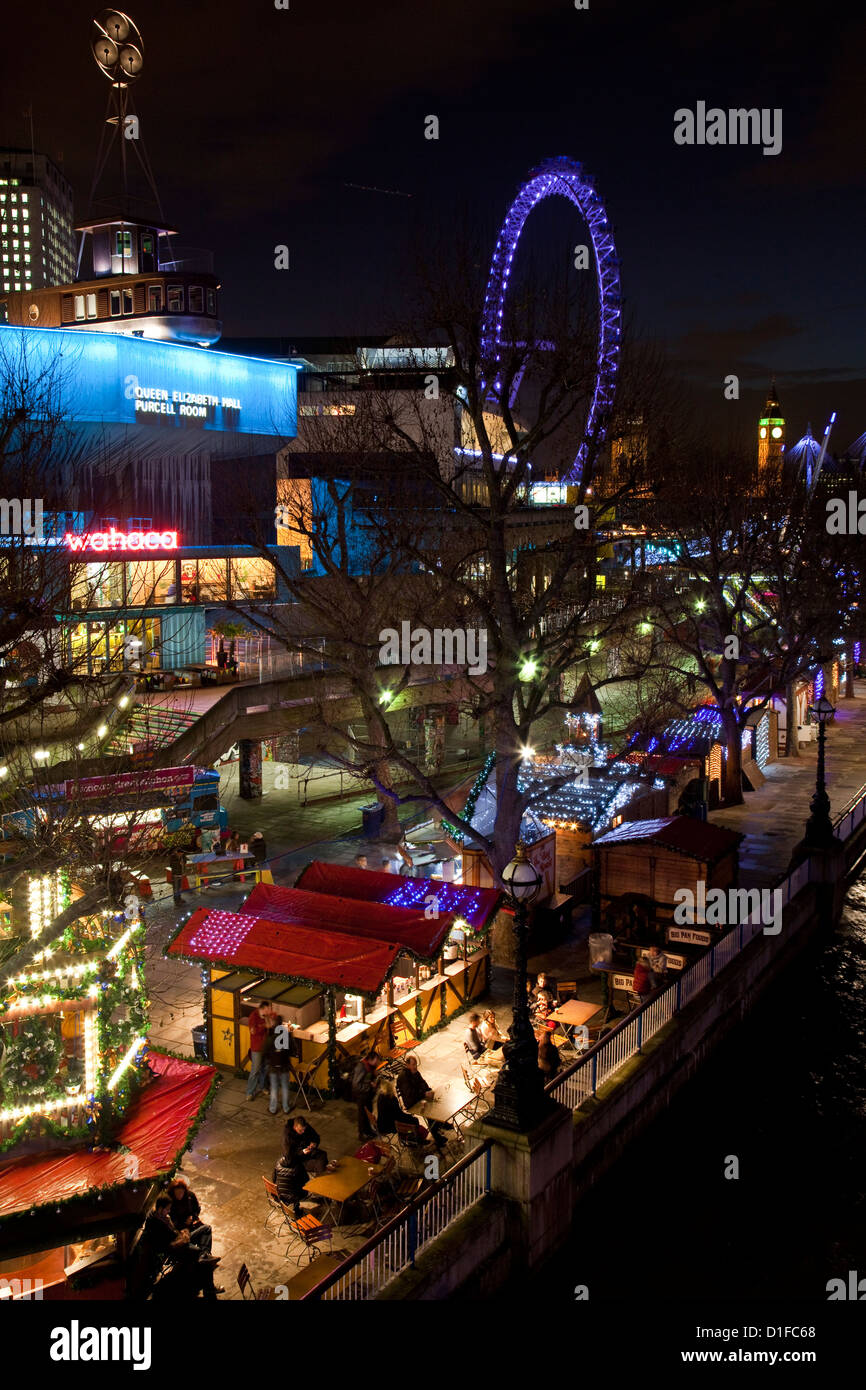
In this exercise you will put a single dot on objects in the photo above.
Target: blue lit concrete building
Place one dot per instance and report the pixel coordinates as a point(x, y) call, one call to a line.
point(164, 446)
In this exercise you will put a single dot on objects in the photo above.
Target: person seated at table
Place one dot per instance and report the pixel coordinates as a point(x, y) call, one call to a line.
point(412, 1088)
point(490, 1033)
point(389, 1111)
point(542, 1004)
point(473, 1042)
point(233, 843)
point(361, 861)
point(549, 1061)
point(290, 1177)
point(185, 1213)
point(192, 1271)
point(544, 985)
point(302, 1144)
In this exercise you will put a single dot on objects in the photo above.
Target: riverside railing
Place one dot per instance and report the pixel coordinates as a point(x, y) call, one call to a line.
point(394, 1247)
point(601, 1061)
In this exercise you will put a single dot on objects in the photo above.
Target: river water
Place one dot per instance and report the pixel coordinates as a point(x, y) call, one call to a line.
point(786, 1095)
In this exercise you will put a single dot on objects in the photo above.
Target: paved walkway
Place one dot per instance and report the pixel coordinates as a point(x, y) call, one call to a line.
point(240, 1140)
point(774, 818)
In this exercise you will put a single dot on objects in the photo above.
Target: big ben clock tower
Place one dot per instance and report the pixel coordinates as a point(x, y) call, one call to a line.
point(771, 434)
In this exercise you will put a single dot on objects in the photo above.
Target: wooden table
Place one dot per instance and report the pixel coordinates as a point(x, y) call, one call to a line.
point(447, 1101)
point(573, 1014)
point(336, 1188)
point(311, 1275)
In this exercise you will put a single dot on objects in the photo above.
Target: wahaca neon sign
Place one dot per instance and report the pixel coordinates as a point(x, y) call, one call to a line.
point(122, 540)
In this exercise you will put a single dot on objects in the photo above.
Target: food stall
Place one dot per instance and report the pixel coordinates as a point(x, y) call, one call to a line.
point(339, 958)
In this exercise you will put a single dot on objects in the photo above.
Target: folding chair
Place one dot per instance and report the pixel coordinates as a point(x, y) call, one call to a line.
point(565, 990)
point(265, 1294)
point(405, 1041)
point(408, 1188)
point(474, 1084)
point(310, 1233)
point(412, 1144)
point(303, 1073)
point(387, 1142)
point(275, 1206)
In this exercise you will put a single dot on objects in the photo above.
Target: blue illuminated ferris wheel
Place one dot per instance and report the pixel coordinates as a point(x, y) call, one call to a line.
point(564, 178)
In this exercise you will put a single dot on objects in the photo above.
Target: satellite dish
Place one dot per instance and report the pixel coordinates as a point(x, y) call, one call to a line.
point(117, 47)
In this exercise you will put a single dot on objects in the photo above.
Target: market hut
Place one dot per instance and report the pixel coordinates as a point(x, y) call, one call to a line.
point(357, 967)
point(643, 864)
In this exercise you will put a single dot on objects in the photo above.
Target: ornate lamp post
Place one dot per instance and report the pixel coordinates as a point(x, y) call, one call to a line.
point(519, 1101)
point(819, 827)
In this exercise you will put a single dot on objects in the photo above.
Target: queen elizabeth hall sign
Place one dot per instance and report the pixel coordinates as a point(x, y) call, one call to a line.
point(113, 379)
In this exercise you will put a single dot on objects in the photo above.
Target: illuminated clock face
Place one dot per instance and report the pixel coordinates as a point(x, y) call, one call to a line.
point(776, 432)
point(763, 431)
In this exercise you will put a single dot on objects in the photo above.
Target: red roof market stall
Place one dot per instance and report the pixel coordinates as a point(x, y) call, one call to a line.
point(351, 959)
point(50, 1201)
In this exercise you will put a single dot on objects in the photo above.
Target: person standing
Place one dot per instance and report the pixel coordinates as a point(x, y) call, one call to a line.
point(658, 965)
point(278, 1062)
point(363, 1090)
point(642, 982)
point(260, 1021)
point(258, 848)
point(177, 866)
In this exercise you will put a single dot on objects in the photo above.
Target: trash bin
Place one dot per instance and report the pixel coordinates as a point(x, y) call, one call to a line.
point(373, 818)
point(600, 950)
point(199, 1042)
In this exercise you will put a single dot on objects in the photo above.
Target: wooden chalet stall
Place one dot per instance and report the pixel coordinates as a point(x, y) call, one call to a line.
point(641, 865)
point(353, 959)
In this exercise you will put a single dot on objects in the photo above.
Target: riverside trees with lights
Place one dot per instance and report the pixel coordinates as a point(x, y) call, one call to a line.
point(755, 602)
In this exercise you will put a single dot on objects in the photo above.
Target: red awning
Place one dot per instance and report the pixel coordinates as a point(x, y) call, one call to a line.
point(474, 905)
point(235, 939)
point(406, 926)
point(155, 1132)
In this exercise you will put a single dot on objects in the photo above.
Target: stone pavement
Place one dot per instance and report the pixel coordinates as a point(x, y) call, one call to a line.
point(239, 1141)
point(773, 819)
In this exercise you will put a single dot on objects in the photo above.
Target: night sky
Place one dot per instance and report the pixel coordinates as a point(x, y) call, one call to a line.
point(256, 119)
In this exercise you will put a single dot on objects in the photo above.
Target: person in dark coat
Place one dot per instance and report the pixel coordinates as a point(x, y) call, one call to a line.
point(363, 1091)
point(277, 1062)
point(185, 1213)
point(412, 1088)
point(177, 865)
point(302, 1144)
point(290, 1177)
point(548, 1058)
point(191, 1273)
point(258, 847)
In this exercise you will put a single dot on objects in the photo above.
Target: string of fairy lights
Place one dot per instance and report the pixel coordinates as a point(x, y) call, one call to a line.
point(94, 983)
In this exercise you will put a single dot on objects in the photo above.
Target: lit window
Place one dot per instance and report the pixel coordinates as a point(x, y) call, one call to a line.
point(154, 299)
point(196, 299)
point(79, 307)
point(175, 299)
point(114, 303)
point(127, 301)
point(91, 306)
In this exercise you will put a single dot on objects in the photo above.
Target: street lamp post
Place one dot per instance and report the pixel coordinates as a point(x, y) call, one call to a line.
point(519, 1100)
point(819, 827)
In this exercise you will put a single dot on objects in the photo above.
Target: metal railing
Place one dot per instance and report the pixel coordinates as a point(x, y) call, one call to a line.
point(600, 1062)
point(394, 1247)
